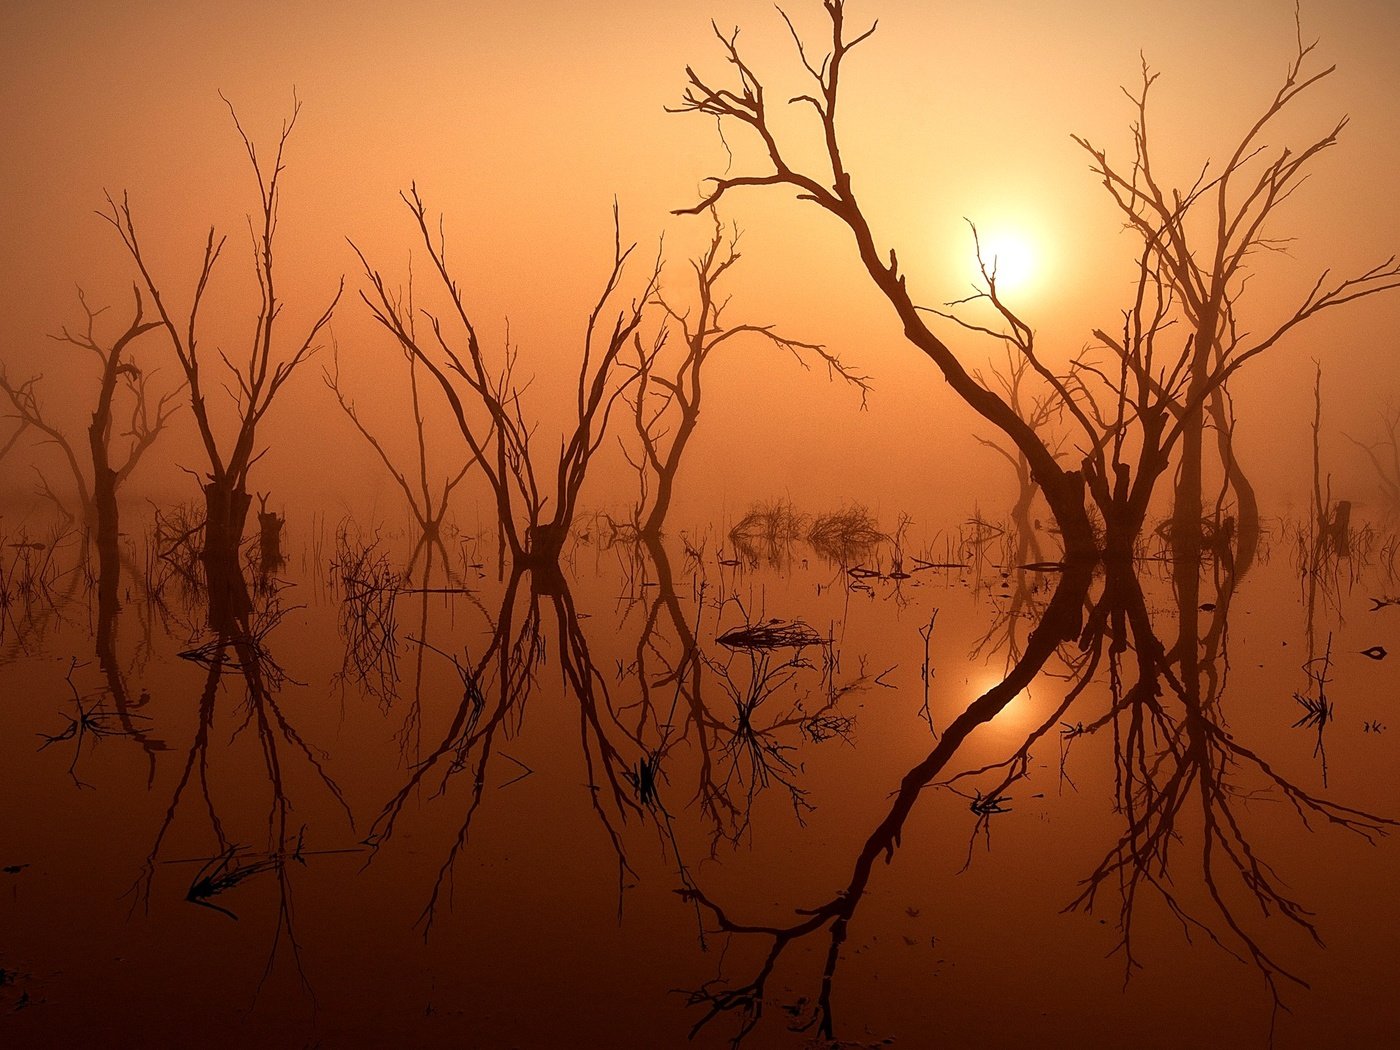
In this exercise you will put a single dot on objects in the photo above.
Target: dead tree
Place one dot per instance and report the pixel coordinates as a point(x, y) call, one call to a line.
point(255, 383)
point(1200, 243)
point(667, 406)
point(29, 413)
point(831, 188)
point(97, 486)
point(485, 397)
point(1384, 457)
point(428, 509)
point(1041, 411)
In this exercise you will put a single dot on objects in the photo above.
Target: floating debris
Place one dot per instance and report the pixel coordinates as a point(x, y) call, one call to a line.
point(1376, 652)
point(772, 634)
point(986, 805)
point(1317, 712)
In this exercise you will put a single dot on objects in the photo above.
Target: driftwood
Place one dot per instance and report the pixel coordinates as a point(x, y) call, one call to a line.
point(772, 634)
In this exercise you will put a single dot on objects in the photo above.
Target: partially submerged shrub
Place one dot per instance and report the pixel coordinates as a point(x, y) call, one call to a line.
point(845, 535)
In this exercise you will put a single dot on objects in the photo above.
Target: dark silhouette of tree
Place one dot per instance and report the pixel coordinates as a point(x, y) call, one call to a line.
point(254, 384)
point(1200, 247)
point(831, 188)
point(475, 387)
point(667, 402)
point(1383, 454)
point(119, 375)
point(428, 508)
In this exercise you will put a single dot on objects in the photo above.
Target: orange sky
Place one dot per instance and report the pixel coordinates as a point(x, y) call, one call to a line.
point(521, 123)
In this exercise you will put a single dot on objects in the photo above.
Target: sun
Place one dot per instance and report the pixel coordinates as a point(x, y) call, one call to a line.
point(1011, 256)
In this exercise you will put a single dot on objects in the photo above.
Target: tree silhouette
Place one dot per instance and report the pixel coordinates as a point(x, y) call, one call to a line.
point(427, 507)
point(667, 403)
point(97, 485)
point(831, 188)
point(475, 387)
point(256, 382)
point(1200, 248)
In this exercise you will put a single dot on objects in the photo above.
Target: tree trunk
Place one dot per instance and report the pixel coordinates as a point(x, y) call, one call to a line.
point(102, 512)
point(1246, 503)
point(270, 558)
point(1064, 490)
point(546, 545)
point(226, 512)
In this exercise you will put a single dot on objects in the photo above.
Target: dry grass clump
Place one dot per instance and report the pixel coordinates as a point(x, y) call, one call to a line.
point(772, 523)
point(369, 589)
point(767, 533)
point(845, 535)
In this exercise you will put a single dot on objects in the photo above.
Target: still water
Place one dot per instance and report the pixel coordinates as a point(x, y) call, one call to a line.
point(852, 785)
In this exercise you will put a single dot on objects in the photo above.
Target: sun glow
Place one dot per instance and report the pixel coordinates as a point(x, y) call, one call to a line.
point(1011, 257)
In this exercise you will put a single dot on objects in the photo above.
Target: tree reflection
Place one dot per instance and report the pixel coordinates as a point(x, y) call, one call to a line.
point(732, 724)
point(236, 648)
point(495, 688)
point(1182, 783)
point(1061, 622)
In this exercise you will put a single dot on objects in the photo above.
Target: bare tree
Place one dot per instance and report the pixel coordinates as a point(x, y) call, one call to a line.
point(667, 405)
point(831, 188)
point(255, 383)
point(532, 530)
point(1200, 243)
point(427, 507)
point(1198, 247)
point(28, 411)
point(1384, 457)
point(97, 485)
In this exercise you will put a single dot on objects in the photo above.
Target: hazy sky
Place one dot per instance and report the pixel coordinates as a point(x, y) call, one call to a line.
point(522, 122)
